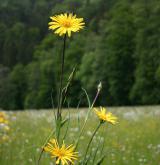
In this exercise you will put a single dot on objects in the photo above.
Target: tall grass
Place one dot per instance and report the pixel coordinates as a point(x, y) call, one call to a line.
point(133, 141)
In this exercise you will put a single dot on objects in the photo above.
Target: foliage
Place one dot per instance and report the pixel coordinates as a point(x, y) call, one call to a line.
point(119, 47)
point(147, 54)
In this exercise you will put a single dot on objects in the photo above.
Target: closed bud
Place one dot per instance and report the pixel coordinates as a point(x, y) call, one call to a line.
point(99, 87)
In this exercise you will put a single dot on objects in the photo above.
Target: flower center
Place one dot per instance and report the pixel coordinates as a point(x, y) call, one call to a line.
point(61, 153)
point(67, 24)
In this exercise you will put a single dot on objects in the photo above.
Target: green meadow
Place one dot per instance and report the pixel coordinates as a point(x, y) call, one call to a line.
point(135, 140)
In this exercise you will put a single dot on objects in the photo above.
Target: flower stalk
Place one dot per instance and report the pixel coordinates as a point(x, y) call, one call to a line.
point(60, 94)
point(61, 79)
point(90, 108)
point(94, 133)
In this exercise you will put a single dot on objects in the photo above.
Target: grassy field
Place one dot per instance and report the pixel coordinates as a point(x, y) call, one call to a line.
point(135, 140)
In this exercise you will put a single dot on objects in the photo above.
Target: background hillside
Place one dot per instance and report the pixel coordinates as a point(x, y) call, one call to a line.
point(120, 46)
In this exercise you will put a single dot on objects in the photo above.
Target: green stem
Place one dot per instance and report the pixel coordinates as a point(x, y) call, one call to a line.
point(42, 150)
point(40, 156)
point(59, 117)
point(95, 131)
point(97, 94)
point(61, 79)
point(90, 108)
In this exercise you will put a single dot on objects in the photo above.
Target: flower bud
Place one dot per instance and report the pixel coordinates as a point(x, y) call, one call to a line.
point(99, 87)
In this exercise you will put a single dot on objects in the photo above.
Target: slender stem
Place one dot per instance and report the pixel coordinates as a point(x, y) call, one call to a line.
point(97, 94)
point(90, 108)
point(91, 140)
point(42, 150)
point(66, 89)
point(61, 79)
point(40, 156)
point(59, 117)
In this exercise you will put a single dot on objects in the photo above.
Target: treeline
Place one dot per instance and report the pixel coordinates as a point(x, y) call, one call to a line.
point(120, 46)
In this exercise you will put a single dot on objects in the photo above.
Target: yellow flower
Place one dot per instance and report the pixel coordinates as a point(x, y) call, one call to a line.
point(63, 154)
point(105, 116)
point(3, 118)
point(66, 23)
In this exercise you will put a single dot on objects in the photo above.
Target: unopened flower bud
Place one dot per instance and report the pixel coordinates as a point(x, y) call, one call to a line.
point(99, 87)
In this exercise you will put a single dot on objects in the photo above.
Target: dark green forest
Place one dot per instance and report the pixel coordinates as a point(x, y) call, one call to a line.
point(119, 46)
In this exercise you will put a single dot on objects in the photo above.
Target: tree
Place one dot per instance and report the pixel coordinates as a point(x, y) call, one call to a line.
point(2, 39)
point(117, 47)
point(18, 79)
point(41, 83)
point(12, 88)
point(147, 53)
point(19, 44)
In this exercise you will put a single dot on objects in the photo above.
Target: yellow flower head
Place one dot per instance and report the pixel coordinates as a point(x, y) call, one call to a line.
point(105, 116)
point(65, 24)
point(63, 154)
point(3, 118)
